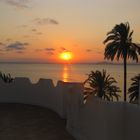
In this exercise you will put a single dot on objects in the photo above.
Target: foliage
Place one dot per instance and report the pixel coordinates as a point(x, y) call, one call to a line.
point(6, 78)
point(102, 85)
point(120, 45)
point(133, 91)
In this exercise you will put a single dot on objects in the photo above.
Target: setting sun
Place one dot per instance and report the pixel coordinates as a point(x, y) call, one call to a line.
point(66, 56)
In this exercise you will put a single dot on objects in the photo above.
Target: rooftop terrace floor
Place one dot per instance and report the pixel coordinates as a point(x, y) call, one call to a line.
point(28, 122)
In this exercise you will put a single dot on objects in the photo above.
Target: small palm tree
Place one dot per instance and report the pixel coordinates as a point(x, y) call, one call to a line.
point(120, 45)
point(102, 85)
point(133, 91)
point(6, 78)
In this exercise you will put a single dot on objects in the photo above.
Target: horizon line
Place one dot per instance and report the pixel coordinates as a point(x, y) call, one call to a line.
point(101, 62)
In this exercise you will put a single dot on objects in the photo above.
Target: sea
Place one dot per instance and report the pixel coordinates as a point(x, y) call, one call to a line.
point(68, 72)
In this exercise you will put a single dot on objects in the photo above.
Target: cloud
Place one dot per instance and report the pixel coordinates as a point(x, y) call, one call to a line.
point(36, 31)
point(50, 51)
point(18, 46)
point(17, 3)
point(64, 49)
point(44, 21)
point(88, 50)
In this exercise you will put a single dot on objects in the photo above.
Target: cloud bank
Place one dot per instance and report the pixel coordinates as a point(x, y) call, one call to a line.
point(18, 46)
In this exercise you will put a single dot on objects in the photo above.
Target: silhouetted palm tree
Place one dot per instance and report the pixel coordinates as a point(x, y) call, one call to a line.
point(120, 45)
point(102, 85)
point(134, 89)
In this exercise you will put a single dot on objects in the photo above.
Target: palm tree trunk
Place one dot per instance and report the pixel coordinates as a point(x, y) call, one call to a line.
point(125, 78)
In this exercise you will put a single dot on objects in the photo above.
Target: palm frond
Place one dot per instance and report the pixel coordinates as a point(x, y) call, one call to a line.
point(102, 85)
point(119, 43)
point(6, 78)
point(133, 91)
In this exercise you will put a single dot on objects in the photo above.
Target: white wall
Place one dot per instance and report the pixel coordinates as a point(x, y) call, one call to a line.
point(98, 120)
point(95, 120)
point(44, 93)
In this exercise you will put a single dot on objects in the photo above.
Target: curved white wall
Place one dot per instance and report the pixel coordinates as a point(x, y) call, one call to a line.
point(44, 93)
point(95, 120)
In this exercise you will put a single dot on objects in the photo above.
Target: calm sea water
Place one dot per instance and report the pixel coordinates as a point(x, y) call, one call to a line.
point(67, 73)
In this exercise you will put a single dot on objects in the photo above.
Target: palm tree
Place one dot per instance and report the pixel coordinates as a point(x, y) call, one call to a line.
point(102, 85)
point(134, 89)
point(120, 45)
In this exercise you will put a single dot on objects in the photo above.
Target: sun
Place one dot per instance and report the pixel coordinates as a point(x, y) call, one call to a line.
point(66, 56)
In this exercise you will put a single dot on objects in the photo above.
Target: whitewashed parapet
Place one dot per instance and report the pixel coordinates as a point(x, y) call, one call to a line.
point(98, 120)
point(95, 120)
point(103, 120)
point(43, 93)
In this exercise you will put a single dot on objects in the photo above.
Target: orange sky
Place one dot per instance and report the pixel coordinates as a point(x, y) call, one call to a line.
point(39, 30)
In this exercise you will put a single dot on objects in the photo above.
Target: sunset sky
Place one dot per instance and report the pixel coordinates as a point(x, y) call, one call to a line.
point(40, 30)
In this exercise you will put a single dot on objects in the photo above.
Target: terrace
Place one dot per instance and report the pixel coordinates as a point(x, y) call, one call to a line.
point(95, 120)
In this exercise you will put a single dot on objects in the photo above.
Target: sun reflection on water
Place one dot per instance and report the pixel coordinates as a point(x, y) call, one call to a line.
point(65, 73)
